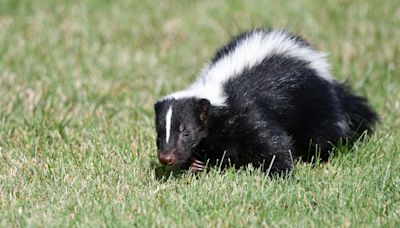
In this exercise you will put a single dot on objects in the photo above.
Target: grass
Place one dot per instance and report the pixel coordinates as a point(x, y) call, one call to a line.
point(78, 80)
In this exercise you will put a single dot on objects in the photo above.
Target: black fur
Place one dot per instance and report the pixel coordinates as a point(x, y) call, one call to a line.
point(275, 110)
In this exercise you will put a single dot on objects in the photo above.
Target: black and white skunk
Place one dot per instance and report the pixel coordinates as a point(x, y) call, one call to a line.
point(264, 99)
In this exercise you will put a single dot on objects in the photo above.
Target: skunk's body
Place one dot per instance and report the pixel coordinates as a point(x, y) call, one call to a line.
point(265, 98)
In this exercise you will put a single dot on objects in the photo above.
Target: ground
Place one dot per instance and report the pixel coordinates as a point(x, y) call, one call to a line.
point(78, 80)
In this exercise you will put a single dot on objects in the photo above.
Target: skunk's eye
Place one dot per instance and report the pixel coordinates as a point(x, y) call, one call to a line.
point(186, 133)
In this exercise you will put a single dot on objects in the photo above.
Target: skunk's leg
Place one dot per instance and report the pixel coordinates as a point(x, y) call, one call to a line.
point(261, 143)
point(276, 146)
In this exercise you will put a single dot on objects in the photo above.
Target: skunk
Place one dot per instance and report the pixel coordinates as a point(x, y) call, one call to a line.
point(266, 98)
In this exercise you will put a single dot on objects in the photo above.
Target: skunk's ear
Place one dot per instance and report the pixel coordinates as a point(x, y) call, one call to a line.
point(204, 106)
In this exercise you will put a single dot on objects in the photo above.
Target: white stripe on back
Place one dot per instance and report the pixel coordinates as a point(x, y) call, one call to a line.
point(249, 52)
point(168, 123)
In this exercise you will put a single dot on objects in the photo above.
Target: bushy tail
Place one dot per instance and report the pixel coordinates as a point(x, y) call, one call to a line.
point(361, 116)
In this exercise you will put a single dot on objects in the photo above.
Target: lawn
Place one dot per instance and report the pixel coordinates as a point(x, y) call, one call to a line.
point(78, 80)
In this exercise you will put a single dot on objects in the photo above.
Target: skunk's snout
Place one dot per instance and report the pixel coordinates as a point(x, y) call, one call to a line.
point(167, 158)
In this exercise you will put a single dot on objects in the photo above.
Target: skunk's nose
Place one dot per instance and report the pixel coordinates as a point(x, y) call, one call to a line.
point(167, 158)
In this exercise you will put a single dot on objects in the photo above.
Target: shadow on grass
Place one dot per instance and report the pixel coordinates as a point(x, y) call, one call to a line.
point(163, 173)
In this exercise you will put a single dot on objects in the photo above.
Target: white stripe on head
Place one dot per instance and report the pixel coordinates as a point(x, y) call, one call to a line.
point(168, 123)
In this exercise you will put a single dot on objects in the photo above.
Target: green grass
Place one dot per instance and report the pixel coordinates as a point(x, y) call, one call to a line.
point(78, 80)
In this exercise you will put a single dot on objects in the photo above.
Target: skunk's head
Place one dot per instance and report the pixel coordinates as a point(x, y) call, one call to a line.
point(180, 124)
